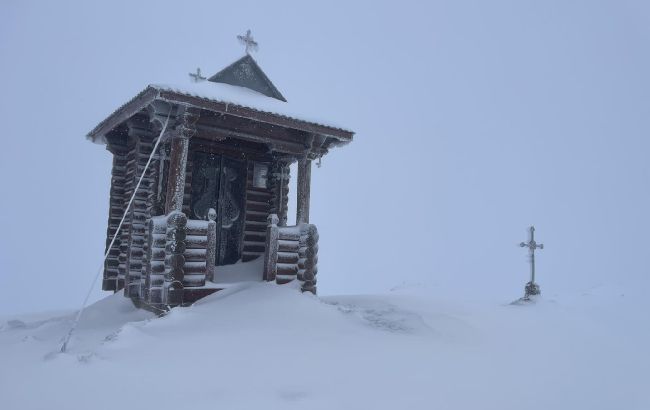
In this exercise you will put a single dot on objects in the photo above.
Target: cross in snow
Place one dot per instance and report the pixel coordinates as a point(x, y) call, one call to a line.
point(247, 40)
point(531, 287)
point(196, 77)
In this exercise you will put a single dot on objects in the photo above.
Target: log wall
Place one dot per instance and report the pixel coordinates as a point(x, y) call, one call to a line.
point(154, 260)
point(112, 279)
point(137, 214)
point(258, 208)
point(260, 203)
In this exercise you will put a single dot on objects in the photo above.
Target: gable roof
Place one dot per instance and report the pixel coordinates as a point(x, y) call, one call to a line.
point(245, 72)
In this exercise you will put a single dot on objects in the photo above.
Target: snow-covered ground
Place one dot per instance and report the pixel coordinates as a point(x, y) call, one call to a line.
point(260, 345)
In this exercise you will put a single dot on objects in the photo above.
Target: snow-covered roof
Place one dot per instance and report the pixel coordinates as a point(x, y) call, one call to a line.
point(231, 94)
point(226, 98)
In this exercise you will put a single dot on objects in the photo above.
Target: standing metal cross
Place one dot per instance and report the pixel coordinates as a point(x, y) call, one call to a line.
point(247, 40)
point(196, 77)
point(531, 287)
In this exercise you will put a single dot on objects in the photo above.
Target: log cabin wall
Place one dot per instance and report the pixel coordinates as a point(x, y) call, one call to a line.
point(153, 265)
point(137, 214)
point(112, 279)
point(154, 260)
point(261, 202)
point(258, 208)
point(124, 235)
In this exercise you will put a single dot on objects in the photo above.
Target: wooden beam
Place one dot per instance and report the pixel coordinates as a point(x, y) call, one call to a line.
point(222, 120)
point(214, 133)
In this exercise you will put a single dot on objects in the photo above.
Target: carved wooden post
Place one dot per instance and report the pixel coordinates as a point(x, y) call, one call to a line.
point(178, 160)
point(271, 248)
point(176, 179)
point(174, 258)
point(304, 186)
point(211, 252)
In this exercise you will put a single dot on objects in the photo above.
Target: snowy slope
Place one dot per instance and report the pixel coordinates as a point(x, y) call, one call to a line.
point(265, 346)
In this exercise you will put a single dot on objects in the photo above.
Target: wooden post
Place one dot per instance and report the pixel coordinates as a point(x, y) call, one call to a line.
point(211, 251)
point(271, 248)
point(304, 187)
point(176, 178)
point(178, 159)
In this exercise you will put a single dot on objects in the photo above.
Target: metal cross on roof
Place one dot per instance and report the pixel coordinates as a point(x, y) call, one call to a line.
point(196, 77)
point(531, 287)
point(248, 41)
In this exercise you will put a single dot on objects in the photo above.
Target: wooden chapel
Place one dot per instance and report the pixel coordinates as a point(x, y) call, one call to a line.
point(215, 193)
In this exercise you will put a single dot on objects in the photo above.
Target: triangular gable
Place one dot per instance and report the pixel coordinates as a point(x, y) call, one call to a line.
point(246, 73)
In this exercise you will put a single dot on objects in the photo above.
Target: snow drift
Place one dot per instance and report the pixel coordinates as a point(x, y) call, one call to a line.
point(259, 345)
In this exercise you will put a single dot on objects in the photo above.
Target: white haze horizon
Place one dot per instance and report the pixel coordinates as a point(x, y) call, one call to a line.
point(473, 121)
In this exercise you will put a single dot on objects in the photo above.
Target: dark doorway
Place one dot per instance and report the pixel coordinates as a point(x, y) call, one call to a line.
point(219, 182)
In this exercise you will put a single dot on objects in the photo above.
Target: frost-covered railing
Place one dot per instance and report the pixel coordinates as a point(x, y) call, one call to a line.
point(179, 254)
point(291, 253)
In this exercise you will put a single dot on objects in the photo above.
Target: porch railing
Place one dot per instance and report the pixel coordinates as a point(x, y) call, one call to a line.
point(178, 254)
point(291, 253)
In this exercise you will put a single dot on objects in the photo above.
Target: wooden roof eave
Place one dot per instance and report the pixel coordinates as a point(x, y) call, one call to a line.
point(150, 94)
point(257, 115)
point(126, 111)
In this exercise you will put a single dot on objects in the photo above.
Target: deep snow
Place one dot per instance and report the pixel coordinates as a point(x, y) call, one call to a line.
point(260, 345)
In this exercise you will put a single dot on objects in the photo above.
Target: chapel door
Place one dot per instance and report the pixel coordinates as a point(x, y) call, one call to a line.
point(219, 182)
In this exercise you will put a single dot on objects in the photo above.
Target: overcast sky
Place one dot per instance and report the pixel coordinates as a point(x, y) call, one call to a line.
point(473, 120)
